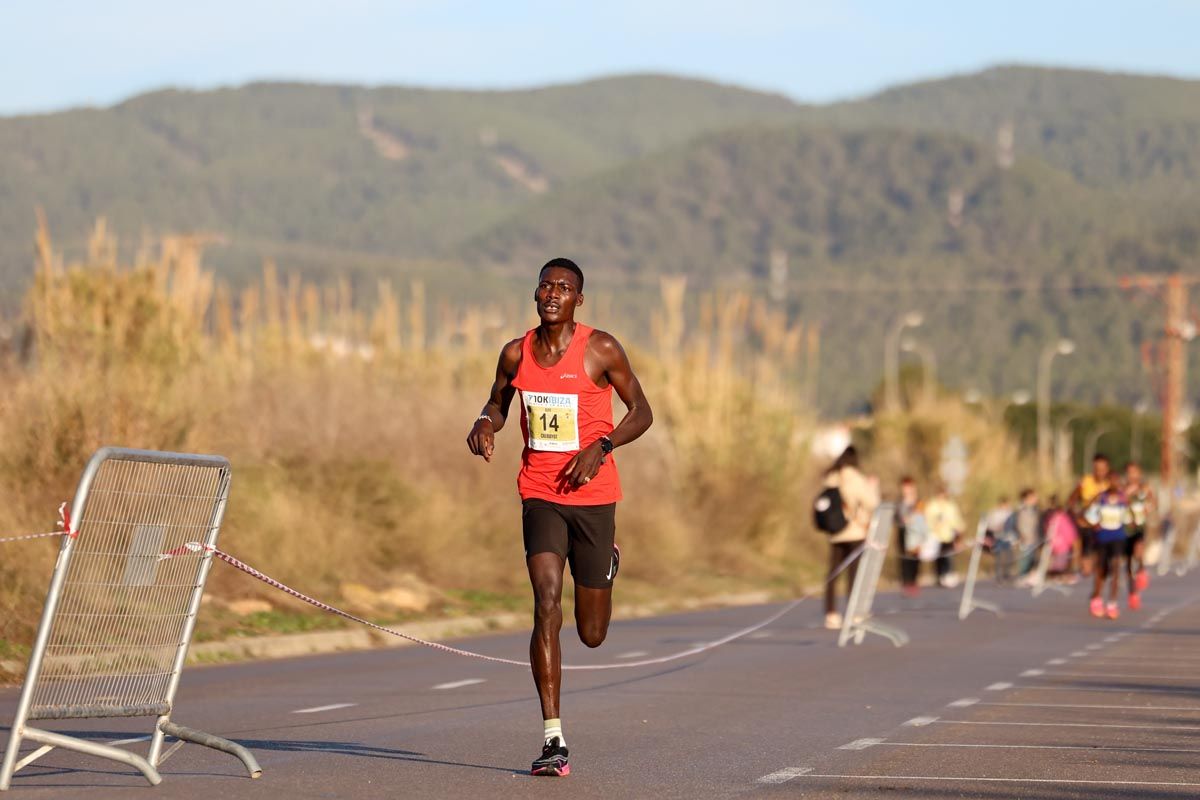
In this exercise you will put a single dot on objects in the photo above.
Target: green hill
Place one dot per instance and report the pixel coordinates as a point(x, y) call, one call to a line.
point(401, 172)
point(1004, 203)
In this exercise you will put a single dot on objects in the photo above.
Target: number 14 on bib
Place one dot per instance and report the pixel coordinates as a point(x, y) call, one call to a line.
point(552, 420)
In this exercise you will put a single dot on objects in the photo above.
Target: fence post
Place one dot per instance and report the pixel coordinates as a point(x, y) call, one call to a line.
point(139, 520)
point(858, 622)
point(969, 603)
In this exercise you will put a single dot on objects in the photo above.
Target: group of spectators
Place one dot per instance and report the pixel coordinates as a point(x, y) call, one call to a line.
point(1100, 528)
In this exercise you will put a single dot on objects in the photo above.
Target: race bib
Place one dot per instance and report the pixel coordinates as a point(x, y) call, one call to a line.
point(553, 421)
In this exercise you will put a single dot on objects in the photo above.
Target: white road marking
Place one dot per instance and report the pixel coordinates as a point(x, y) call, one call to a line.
point(634, 654)
point(1090, 705)
point(330, 707)
point(920, 722)
point(1056, 662)
point(134, 740)
point(785, 775)
point(1045, 747)
point(1113, 638)
point(860, 744)
point(966, 701)
point(1072, 725)
point(460, 684)
point(970, 779)
point(1080, 654)
point(1094, 647)
point(998, 687)
point(1058, 687)
point(1032, 673)
point(1116, 675)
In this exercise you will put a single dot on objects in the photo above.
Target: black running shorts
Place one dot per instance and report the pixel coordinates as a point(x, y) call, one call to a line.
point(1136, 536)
point(1109, 555)
point(581, 535)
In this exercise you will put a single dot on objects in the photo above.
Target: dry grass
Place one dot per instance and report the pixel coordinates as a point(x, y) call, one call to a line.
point(346, 430)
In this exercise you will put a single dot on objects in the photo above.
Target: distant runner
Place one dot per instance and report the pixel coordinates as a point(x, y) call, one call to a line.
point(1142, 503)
point(1109, 514)
point(565, 373)
point(1081, 499)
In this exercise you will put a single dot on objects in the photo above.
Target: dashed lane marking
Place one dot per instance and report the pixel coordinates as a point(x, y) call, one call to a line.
point(861, 744)
point(920, 722)
point(785, 775)
point(1094, 647)
point(318, 709)
point(1056, 662)
point(460, 684)
point(998, 687)
point(1032, 673)
point(1080, 654)
point(964, 703)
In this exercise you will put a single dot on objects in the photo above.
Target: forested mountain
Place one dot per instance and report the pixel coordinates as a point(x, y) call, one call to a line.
point(1005, 204)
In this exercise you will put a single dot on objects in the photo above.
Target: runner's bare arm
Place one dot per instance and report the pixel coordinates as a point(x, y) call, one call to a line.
point(482, 438)
point(606, 352)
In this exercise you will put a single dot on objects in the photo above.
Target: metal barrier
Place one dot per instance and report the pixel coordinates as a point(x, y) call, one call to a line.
point(119, 616)
point(969, 603)
point(858, 622)
point(1192, 557)
point(1167, 556)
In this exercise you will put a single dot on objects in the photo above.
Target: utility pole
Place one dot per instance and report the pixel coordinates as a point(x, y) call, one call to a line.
point(1178, 330)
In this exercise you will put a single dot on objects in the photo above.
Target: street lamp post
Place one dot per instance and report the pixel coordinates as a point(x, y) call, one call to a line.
point(1135, 436)
point(1064, 446)
point(891, 357)
point(1063, 347)
point(928, 367)
point(1092, 441)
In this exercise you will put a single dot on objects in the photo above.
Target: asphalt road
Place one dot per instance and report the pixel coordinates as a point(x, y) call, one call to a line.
point(1044, 702)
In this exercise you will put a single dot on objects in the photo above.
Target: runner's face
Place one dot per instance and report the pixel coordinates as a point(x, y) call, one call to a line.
point(1134, 475)
point(1101, 470)
point(557, 295)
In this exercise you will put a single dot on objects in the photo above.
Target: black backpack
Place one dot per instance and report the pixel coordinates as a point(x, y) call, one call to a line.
point(829, 512)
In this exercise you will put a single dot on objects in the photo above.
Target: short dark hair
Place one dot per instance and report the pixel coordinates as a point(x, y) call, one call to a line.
point(1100, 457)
point(564, 263)
point(907, 479)
point(1027, 493)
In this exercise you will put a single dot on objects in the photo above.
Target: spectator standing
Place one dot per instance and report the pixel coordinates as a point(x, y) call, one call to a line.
point(1027, 525)
point(860, 497)
point(946, 525)
point(911, 531)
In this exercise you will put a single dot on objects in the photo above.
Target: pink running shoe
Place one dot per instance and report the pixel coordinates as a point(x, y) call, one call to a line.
point(1141, 580)
point(1097, 607)
point(1135, 601)
point(1112, 612)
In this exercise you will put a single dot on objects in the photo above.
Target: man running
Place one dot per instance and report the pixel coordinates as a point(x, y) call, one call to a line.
point(1142, 503)
point(565, 372)
point(1081, 499)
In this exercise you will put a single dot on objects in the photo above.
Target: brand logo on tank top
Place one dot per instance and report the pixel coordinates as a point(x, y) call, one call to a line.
point(568, 375)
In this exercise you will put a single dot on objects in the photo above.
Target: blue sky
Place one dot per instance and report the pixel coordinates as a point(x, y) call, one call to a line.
point(55, 54)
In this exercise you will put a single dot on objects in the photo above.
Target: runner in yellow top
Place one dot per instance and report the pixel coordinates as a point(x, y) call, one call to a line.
point(1084, 495)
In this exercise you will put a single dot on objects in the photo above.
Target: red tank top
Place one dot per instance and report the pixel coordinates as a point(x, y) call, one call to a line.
point(563, 411)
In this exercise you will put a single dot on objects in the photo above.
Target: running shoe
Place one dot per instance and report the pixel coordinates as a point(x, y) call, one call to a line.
point(1142, 580)
point(1097, 607)
point(1112, 612)
point(615, 563)
point(553, 761)
point(1135, 601)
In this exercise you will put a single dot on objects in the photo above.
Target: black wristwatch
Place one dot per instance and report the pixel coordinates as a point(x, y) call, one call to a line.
point(606, 445)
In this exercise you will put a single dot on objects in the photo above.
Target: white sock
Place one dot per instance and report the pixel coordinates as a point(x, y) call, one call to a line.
point(554, 729)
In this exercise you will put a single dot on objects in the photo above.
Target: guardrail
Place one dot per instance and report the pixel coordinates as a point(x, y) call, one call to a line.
point(858, 621)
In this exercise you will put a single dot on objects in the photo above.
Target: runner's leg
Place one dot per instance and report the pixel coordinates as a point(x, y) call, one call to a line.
point(545, 656)
point(593, 611)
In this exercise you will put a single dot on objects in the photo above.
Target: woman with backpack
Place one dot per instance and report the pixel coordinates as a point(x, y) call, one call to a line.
point(847, 489)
